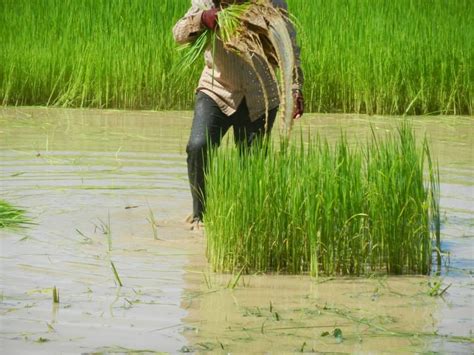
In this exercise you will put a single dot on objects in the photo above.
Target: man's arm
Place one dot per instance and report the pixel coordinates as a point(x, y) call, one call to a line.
point(188, 28)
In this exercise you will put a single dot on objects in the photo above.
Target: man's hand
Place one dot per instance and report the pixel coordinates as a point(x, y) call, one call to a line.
point(209, 18)
point(298, 104)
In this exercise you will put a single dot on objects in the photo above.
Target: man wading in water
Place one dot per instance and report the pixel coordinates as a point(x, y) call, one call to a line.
point(228, 94)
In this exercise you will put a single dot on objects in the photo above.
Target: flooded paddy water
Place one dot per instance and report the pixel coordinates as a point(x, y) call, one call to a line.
point(110, 188)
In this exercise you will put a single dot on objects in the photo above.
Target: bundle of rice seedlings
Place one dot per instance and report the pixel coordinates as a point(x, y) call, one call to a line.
point(324, 209)
point(11, 217)
point(249, 29)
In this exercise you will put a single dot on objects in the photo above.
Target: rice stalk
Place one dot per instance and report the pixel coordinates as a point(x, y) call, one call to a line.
point(55, 295)
point(229, 22)
point(194, 51)
point(154, 224)
point(12, 217)
point(117, 277)
point(105, 228)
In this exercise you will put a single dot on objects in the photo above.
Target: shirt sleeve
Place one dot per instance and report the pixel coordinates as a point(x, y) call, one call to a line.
point(188, 27)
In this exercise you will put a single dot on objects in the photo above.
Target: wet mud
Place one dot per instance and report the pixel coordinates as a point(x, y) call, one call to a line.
point(110, 188)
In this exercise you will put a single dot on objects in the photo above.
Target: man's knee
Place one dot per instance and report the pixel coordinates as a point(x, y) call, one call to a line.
point(196, 146)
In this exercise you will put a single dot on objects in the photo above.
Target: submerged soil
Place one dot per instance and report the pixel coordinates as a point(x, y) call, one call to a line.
point(94, 182)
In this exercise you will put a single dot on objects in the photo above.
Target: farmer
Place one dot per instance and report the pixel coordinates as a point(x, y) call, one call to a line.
point(229, 94)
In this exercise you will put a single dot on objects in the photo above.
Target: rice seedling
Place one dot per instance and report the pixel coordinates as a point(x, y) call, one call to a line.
point(382, 56)
point(41, 340)
point(117, 277)
point(154, 224)
point(337, 333)
point(302, 347)
point(235, 280)
point(349, 315)
point(85, 238)
point(50, 327)
point(55, 295)
point(228, 24)
point(12, 217)
point(106, 230)
point(207, 280)
point(328, 210)
point(436, 289)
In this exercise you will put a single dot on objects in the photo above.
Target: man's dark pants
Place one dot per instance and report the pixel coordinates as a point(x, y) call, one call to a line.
point(210, 124)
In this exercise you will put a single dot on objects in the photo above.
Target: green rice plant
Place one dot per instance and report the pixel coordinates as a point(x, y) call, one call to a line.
point(154, 224)
point(12, 217)
point(91, 54)
point(106, 229)
point(436, 288)
point(116, 275)
point(194, 50)
point(309, 206)
point(228, 23)
point(229, 20)
point(55, 295)
point(387, 57)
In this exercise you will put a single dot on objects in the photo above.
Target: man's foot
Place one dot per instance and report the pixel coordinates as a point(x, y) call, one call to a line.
point(189, 218)
point(196, 224)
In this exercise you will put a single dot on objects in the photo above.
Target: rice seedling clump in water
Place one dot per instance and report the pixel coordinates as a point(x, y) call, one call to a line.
point(313, 207)
point(11, 217)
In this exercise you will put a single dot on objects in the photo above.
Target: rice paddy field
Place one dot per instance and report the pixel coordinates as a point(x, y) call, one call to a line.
point(108, 265)
point(363, 56)
point(352, 235)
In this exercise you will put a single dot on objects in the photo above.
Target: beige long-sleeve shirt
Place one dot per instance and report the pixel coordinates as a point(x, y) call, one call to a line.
point(226, 77)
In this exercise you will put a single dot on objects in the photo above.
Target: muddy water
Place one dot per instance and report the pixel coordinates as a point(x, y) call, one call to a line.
point(94, 182)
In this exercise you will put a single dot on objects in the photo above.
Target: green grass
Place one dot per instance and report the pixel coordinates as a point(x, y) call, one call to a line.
point(324, 209)
point(91, 53)
point(11, 217)
point(374, 56)
point(388, 57)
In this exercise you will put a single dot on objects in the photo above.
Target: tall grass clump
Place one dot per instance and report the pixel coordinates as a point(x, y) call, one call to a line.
point(374, 56)
point(11, 217)
point(324, 209)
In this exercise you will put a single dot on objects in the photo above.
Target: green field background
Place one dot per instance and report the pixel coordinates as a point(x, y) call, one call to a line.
point(365, 56)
